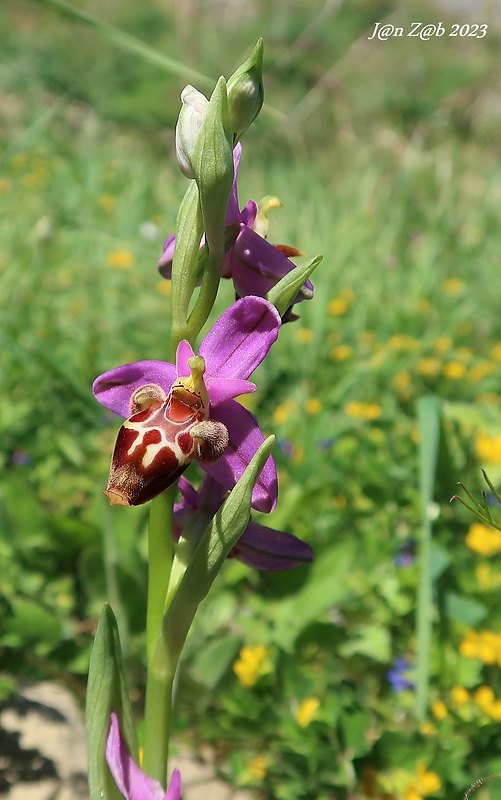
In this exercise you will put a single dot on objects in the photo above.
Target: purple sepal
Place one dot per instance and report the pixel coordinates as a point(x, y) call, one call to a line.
point(129, 778)
point(259, 547)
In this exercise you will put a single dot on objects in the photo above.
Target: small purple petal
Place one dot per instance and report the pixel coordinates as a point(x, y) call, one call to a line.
point(165, 261)
point(113, 389)
point(189, 498)
point(240, 339)
point(256, 265)
point(184, 352)
point(267, 549)
point(249, 213)
point(129, 778)
point(174, 788)
point(245, 438)
point(221, 389)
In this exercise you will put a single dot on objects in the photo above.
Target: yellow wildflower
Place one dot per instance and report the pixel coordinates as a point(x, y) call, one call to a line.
point(453, 286)
point(5, 185)
point(304, 335)
point(488, 447)
point(164, 288)
point(454, 370)
point(442, 344)
point(496, 351)
point(427, 728)
point(480, 371)
point(251, 664)
point(487, 579)
point(494, 710)
point(313, 406)
point(368, 411)
point(428, 367)
point(489, 647)
point(423, 305)
point(120, 259)
point(468, 647)
point(439, 709)
point(283, 411)
point(107, 202)
point(257, 768)
point(338, 307)
point(401, 341)
point(483, 539)
point(341, 353)
point(484, 697)
point(307, 710)
point(402, 381)
point(459, 696)
point(428, 782)
point(347, 294)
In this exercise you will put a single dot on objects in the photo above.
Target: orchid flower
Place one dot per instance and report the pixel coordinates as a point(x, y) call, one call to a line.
point(174, 414)
point(129, 778)
point(259, 547)
point(251, 261)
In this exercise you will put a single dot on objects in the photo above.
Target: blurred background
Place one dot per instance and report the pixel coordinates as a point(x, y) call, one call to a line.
point(386, 157)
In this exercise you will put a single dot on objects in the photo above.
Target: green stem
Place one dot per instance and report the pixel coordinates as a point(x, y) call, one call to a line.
point(159, 564)
point(158, 680)
point(208, 292)
point(157, 721)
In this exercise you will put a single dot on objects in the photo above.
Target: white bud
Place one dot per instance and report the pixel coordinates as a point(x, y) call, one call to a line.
point(191, 116)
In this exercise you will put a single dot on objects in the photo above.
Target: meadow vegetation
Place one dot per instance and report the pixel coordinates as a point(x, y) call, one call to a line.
point(386, 156)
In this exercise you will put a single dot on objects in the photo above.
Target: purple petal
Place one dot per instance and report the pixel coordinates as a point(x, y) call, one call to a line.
point(249, 213)
point(240, 339)
point(245, 438)
point(221, 389)
point(184, 352)
point(189, 498)
point(174, 788)
point(113, 389)
point(165, 261)
point(265, 548)
point(257, 265)
point(129, 778)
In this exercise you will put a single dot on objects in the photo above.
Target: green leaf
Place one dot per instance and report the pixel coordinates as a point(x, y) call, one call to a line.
point(464, 610)
point(30, 622)
point(211, 663)
point(369, 640)
point(220, 536)
point(107, 692)
point(284, 292)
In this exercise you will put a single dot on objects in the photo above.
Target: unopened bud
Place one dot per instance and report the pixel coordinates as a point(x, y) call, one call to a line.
point(246, 92)
point(191, 116)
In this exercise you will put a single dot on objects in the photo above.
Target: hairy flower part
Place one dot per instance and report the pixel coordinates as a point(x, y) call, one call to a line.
point(259, 547)
point(161, 438)
point(252, 262)
point(158, 394)
point(129, 778)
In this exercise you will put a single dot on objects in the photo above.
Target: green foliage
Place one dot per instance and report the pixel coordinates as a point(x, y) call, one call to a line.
point(397, 181)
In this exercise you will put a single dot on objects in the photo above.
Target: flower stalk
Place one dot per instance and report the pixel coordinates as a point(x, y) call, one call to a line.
point(185, 411)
